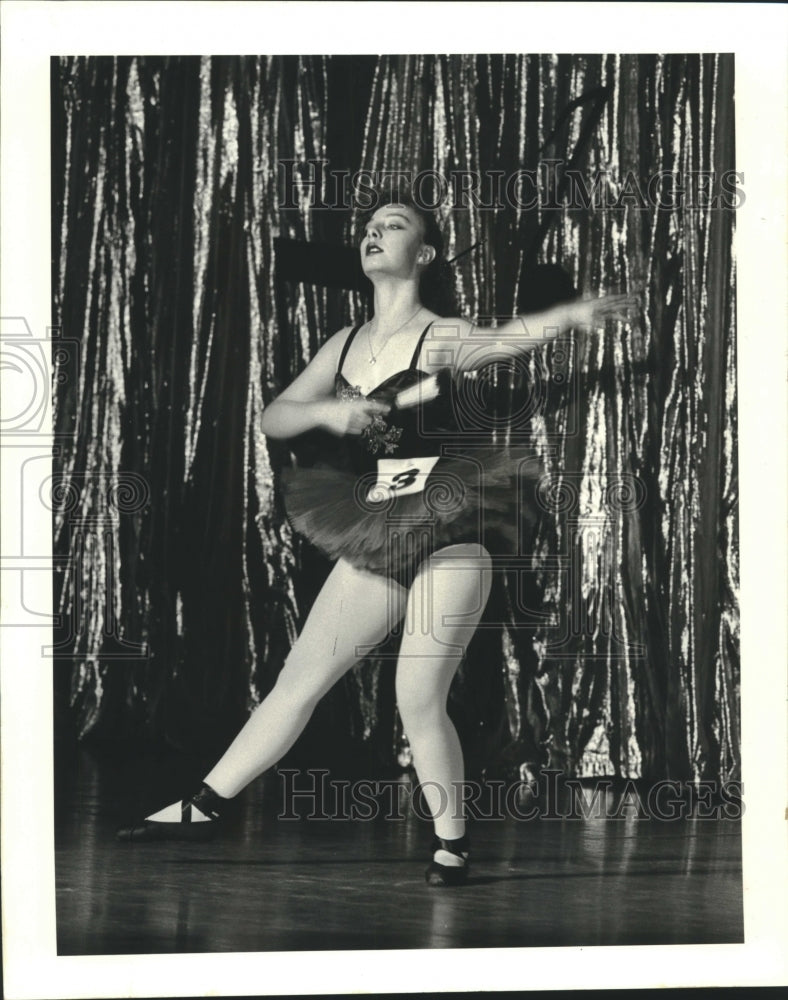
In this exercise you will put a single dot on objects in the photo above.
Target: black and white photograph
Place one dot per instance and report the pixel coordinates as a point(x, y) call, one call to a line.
point(394, 459)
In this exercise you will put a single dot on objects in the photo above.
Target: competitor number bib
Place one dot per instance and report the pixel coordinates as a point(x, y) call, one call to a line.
point(400, 476)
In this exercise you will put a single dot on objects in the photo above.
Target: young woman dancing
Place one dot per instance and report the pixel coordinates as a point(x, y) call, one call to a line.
point(409, 514)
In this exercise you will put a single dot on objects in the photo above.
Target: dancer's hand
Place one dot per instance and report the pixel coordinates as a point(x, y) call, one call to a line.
point(351, 416)
point(594, 312)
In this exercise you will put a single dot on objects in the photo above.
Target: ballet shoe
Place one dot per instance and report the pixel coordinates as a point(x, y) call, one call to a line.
point(207, 801)
point(438, 874)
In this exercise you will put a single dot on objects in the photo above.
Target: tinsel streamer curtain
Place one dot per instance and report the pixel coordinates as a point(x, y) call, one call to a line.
point(179, 582)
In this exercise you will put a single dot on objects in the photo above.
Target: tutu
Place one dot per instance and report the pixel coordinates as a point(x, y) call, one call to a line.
point(486, 496)
point(413, 484)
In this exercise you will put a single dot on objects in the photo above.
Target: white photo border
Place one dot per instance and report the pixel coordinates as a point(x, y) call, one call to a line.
point(32, 32)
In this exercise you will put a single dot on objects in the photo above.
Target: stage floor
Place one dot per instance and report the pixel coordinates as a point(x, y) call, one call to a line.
point(292, 885)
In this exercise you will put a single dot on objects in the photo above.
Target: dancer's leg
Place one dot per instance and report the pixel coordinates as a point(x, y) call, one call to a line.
point(444, 606)
point(353, 611)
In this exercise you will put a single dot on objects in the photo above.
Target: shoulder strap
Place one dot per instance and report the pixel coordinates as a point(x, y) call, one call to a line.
point(346, 345)
point(416, 353)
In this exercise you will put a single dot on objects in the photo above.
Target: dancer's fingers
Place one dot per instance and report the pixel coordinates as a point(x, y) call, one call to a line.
point(619, 301)
point(375, 407)
point(619, 306)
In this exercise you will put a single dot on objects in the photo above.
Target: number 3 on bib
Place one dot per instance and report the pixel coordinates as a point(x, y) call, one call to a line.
point(400, 476)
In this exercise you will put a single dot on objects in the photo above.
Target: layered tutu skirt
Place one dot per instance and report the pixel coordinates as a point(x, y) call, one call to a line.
point(486, 495)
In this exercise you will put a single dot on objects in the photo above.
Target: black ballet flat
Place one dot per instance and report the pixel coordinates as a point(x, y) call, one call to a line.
point(438, 874)
point(206, 800)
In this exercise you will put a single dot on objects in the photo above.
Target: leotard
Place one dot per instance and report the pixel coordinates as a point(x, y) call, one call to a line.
point(413, 483)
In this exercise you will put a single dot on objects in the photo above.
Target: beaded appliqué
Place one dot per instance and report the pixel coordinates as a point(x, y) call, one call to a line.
point(349, 392)
point(378, 434)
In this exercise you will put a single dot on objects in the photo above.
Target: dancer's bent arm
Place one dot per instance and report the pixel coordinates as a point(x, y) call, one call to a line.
point(309, 401)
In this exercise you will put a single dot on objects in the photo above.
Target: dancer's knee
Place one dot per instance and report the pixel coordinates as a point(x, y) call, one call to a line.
point(304, 679)
point(420, 710)
point(296, 691)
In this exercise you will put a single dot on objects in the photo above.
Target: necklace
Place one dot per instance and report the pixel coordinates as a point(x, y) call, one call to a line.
point(373, 358)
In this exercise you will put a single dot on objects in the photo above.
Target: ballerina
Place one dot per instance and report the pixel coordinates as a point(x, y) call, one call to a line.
point(409, 522)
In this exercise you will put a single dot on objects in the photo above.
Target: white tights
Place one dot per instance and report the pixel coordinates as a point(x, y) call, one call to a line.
point(354, 612)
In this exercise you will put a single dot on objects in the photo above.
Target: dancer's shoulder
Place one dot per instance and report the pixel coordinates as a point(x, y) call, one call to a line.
point(451, 328)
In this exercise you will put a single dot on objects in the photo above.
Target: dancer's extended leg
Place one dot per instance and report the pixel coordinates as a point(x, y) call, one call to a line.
point(353, 612)
point(444, 607)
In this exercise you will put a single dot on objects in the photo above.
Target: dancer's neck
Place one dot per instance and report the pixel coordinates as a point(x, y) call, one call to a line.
point(394, 303)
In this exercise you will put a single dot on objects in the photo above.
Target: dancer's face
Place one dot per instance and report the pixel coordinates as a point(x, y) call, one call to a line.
point(393, 242)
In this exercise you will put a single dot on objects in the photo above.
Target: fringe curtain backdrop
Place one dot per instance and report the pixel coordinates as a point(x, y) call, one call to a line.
point(179, 582)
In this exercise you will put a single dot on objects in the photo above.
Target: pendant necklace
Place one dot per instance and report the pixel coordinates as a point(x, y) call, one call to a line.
point(373, 358)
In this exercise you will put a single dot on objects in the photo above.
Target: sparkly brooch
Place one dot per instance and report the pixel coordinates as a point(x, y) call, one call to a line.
point(349, 392)
point(379, 435)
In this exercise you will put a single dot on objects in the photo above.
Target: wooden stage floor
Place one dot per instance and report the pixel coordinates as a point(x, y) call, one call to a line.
point(292, 885)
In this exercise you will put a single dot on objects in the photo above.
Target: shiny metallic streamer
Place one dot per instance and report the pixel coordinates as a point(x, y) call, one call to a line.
point(658, 697)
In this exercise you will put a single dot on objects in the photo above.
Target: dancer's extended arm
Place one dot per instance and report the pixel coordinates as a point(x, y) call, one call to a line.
point(467, 345)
